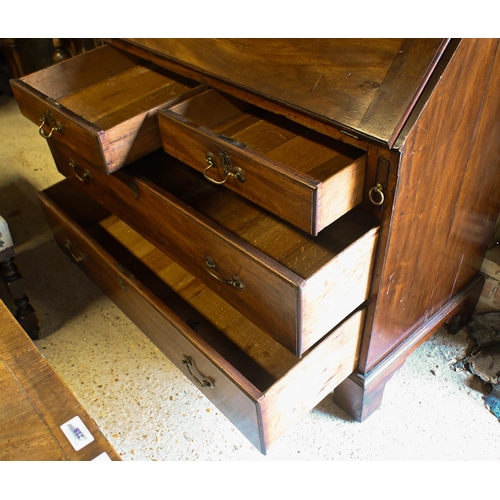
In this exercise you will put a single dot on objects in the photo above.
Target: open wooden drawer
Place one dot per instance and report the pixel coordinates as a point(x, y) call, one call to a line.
point(292, 285)
point(259, 385)
point(102, 103)
point(304, 177)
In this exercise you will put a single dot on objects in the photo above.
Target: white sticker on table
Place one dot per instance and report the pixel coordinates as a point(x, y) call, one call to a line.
point(77, 433)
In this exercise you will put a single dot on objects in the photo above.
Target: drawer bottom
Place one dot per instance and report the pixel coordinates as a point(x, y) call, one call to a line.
point(260, 386)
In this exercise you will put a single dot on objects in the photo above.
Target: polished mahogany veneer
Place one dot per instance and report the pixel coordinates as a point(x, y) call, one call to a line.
point(290, 217)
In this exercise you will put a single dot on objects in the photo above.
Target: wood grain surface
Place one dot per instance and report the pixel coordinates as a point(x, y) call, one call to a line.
point(356, 83)
point(105, 101)
point(35, 402)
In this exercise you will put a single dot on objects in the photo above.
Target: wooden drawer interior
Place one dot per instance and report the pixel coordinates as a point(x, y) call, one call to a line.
point(253, 361)
point(326, 277)
point(276, 154)
point(242, 343)
point(299, 252)
point(295, 287)
point(111, 95)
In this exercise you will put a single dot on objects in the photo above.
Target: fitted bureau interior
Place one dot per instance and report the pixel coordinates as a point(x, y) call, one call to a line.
point(299, 174)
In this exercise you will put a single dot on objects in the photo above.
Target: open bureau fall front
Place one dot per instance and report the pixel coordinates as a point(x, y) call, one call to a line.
point(284, 218)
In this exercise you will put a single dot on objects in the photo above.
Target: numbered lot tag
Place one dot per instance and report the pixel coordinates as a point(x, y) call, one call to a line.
point(77, 433)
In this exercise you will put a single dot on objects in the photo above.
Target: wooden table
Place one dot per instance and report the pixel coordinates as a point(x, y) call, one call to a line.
point(35, 403)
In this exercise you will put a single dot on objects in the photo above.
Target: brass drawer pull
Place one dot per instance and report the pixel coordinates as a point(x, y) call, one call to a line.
point(87, 176)
point(56, 127)
point(227, 165)
point(376, 190)
point(234, 281)
point(122, 284)
point(76, 258)
point(204, 382)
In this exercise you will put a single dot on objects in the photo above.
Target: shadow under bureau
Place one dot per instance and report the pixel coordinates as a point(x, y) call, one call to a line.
point(284, 218)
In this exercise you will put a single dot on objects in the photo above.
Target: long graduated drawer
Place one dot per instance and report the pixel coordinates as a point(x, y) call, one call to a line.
point(102, 103)
point(259, 385)
point(304, 177)
point(294, 286)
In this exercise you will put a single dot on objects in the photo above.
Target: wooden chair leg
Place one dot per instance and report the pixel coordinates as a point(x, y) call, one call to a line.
point(10, 275)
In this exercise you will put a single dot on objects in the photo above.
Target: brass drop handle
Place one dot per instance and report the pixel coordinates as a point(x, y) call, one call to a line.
point(376, 194)
point(56, 127)
point(227, 164)
point(122, 284)
point(204, 382)
point(234, 281)
point(87, 176)
point(76, 258)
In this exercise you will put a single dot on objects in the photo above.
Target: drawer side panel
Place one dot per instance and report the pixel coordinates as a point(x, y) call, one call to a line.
point(318, 373)
point(340, 193)
point(342, 285)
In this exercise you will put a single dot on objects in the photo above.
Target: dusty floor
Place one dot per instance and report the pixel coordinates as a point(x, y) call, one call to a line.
point(150, 411)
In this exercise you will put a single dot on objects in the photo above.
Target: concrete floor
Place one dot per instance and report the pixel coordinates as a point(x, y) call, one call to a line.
point(149, 411)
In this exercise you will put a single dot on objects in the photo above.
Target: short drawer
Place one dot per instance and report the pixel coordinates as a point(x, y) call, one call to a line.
point(292, 285)
point(304, 177)
point(260, 386)
point(103, 102)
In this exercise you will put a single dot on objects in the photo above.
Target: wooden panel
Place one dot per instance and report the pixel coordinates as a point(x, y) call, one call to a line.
point(23, 433)
point(355, 83)
point(304, 177)
point(80, 71)
point(107, 111)
point(475, 215)
point(35, 403)
point(342, 285)
point(440, 203)
point(318, 373)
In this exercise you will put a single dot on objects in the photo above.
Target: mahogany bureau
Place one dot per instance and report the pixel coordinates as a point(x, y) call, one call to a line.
point(284, 218)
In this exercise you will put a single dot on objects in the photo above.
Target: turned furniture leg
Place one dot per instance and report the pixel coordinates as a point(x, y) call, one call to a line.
point(14, 57)
point(10, 275)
